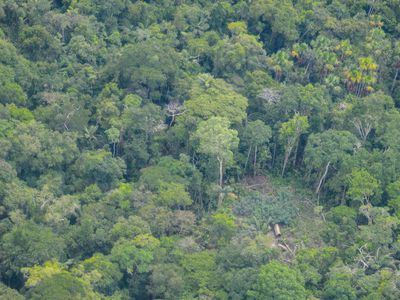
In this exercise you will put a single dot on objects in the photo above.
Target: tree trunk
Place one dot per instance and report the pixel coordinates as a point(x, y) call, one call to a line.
point(343, 198)
point(394, 80)
point(321, 180)
point(221, 175)
point(255, 161)
point(247, 159)
point(172, 120)
point(286, 159)
point(273, 157)
point(221, 178)
point(295, 152)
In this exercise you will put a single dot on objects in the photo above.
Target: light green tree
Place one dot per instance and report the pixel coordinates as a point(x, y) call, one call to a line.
point(217, 140)
point(213, 97)
point(113, 137)
point(255, 135)
point(173, 194)
point(135, 256)
point(289, 134)
point(278, 281)
point(362, 186)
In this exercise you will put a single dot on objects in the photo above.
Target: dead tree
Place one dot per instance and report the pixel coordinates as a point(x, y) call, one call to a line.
point(174, 109)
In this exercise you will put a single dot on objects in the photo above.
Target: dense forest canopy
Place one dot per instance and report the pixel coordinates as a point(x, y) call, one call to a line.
point(149, 149)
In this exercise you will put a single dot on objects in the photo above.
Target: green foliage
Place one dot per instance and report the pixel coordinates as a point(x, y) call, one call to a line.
point(148, 68)
point(277, 281)
point(100, 272)
point(29, 244)
point(129, 228)
point(257, 133)
point(166, 281)
point(37, 43)
point(342, 227)
point(328, 149)
point(36, 274)
point(210, 97)
point(7, 293)
point(173, 194)
point(199, 269)
point(221, 228)
point(135, 255)
point(289, 134)
point(315, 263)
point(265, 210)
point(362, 186)
point(141, 144)
point(98, 167)
point(62, 286)
point(35, 149)
point(10, 92)
point(339, 285)
point(217, 140)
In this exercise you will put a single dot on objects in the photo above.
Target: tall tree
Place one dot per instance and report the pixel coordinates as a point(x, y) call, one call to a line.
point(217, 140)
point(327, 150)
point(289, 134)
point(255, 135)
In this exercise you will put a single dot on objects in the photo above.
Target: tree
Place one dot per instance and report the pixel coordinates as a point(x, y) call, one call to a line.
point(135, 256)
point(173, 195)
point(387, 132)
point(210, 97)
point(341, 227)
point(277, 281)
point(362, 186)
point(289, 134)
point(326, 150)
point(339, 285)
point(167, 170)
point(238, 281)
point(62, 286)
point(10, 92)
point(129, 228)
point(255, 135)
point(36, 149)
point(37, 273)
point(376, 237)
point(277, 18)
point(113, 135)
point(361, 79)
point(364, 115)
point(166, 281)
point(393, 190)
point(7, 293)
point(240, 53)
point(100, 272)
point(98, 167)
point(37, 43)
point(380, 285)
point(149, 68)
point(220, 229)
point(217, 140)
point(314, 264)
point(26, 245)
point(200, 272)
point(62, 112)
